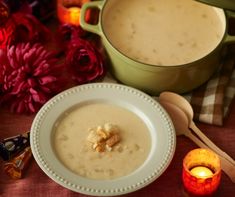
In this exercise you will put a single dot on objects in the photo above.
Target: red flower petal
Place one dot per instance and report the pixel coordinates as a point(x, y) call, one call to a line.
point(37, 96)
point(47, 79)
point(32, 108)
point(28, 82)
point(85, 61)
point(18, 87)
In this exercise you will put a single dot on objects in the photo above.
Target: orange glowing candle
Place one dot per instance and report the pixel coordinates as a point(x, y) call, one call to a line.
point(68, 11)
point(201, 172)
point(73, 15)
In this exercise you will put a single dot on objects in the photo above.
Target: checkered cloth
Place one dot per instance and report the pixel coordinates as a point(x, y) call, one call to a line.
point(212, 100)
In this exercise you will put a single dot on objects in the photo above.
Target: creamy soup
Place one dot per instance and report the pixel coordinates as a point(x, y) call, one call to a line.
point(163, 32)
point(77, 154)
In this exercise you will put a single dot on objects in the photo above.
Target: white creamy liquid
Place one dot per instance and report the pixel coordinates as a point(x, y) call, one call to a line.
point(163, 32)
point(73, 150)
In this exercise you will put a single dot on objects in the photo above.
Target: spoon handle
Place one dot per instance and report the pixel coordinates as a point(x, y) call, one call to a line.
point(227, 167)
point(196, 140)
point(209, 143)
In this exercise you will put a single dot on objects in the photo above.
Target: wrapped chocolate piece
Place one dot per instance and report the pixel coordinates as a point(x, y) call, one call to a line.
point(16, 167)
point(9, 147)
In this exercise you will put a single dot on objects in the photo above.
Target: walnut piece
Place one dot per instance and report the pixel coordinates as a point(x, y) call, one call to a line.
point(104, 137)
point(93, 137)
point(114, 139)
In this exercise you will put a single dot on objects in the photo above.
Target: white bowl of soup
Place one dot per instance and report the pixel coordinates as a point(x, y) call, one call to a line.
point(163, 45)
point(103, 139)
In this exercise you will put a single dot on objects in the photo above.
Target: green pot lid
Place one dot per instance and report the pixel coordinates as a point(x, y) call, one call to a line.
point(225, 4)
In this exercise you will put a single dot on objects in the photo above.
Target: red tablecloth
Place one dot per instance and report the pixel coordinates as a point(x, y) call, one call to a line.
point(35, 183)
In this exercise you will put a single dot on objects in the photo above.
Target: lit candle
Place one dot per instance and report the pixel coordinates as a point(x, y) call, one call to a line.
point(68, 11)
point(73, 15)
point(201, 172)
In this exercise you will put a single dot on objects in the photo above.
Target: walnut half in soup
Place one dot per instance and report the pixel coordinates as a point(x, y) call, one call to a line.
point(101, 141)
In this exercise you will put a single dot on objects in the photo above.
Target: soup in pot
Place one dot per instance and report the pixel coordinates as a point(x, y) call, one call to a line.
point(101, 141)
point(163, 32)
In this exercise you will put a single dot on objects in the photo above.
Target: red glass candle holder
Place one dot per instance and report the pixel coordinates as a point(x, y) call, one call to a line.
point(201, 172)
point(68, 11)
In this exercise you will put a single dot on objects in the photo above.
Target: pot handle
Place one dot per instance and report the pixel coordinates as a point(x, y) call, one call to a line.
point(229, 38)
point(90, 27)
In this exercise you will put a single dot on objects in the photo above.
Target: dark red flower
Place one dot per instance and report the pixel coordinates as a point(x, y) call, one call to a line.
point(21, 27)
point(28, 76)
point(67, 33)
point(85, 61)
point(4, 13)
point(7, 33)
point(30, 29)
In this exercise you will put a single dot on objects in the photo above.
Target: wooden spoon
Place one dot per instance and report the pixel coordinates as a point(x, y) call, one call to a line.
point(180, 123)
point(185, 106)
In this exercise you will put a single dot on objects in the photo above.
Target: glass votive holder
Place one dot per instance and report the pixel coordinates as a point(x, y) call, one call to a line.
point(68, 11)
point(201, 172)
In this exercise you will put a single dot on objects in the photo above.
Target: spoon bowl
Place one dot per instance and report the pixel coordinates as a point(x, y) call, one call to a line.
point(179, 101)
point(185, 106)
point(180, 122)
point(178, 117)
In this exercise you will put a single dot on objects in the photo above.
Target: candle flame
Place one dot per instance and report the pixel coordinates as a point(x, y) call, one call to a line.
point(71, 15)
point(201, 171)
point(74, 14)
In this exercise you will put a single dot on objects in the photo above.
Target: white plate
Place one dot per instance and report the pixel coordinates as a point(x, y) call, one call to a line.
point(157, 120)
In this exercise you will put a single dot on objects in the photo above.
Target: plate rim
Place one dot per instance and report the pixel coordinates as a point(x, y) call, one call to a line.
point(42, 161)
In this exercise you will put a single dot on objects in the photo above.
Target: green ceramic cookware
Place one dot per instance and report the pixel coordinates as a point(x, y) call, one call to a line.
point(226, 4)
point(155, 79)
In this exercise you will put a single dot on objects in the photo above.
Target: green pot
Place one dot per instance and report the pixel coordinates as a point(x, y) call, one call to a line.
point(155, 79)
